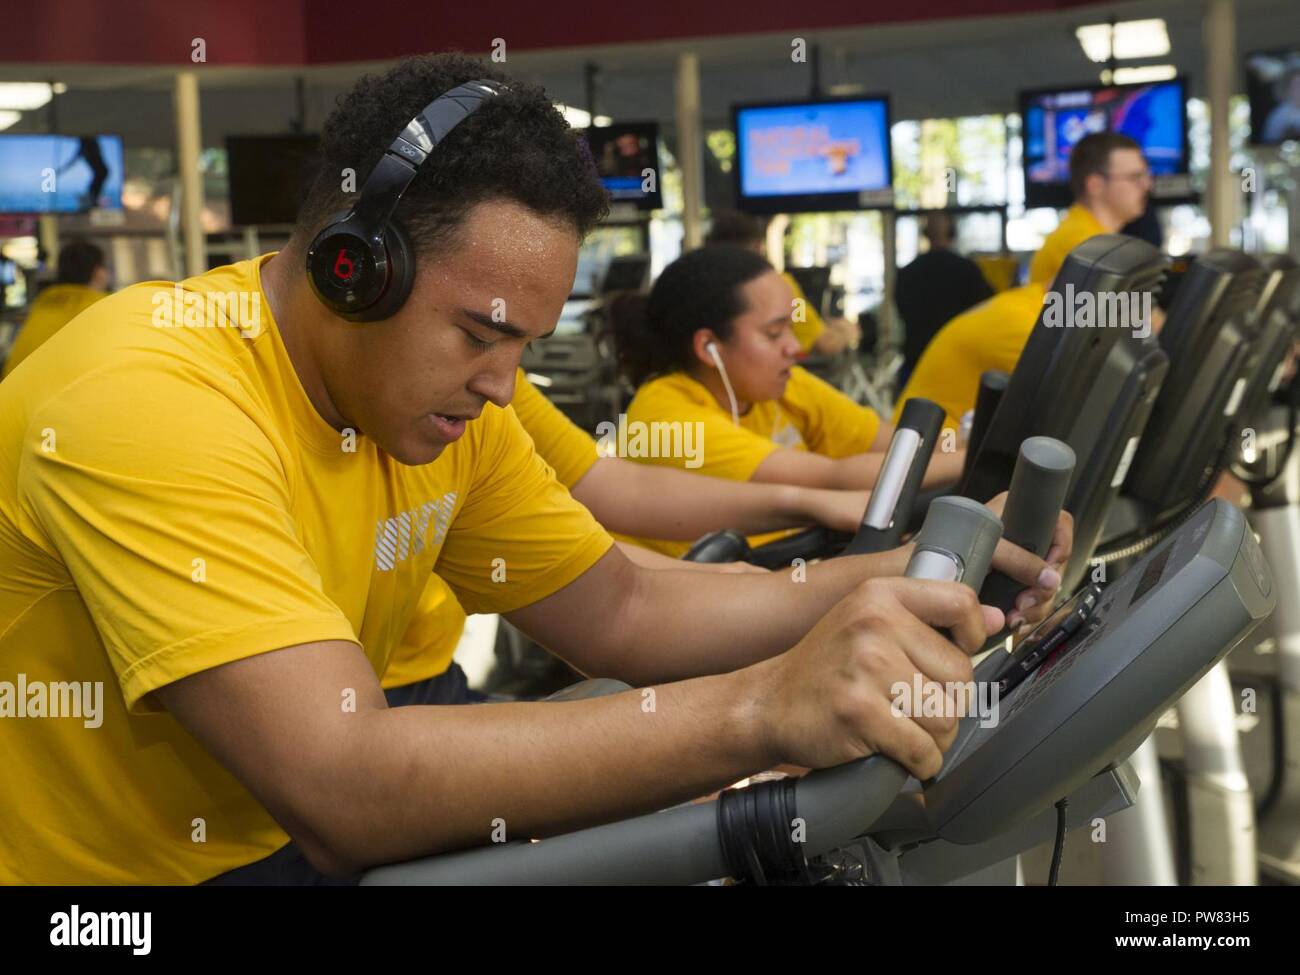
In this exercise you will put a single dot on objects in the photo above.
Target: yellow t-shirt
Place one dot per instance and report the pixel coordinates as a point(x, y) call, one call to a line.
point(430, 640)
point(1077, 226)
point(53, 308)
point(989, 336)
point(812, 415)
point(810, 329)
point(171, 502)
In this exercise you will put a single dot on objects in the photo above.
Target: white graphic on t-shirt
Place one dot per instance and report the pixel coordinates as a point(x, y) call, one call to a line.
point(406, 534)
point(784, 432)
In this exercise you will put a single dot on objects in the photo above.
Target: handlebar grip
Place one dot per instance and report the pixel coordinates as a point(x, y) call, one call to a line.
point(720, 546)
point(1038, 489)
point(956, 542)
point(993, 383)
point(899, 481)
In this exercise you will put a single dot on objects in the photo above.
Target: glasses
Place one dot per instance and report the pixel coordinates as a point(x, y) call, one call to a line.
point(1141, 177)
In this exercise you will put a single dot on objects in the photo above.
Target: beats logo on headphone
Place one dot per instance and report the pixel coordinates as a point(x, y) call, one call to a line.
point(360, 265)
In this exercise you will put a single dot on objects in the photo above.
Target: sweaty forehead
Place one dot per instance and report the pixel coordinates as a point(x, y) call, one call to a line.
point(508, 238)
point(506, 251)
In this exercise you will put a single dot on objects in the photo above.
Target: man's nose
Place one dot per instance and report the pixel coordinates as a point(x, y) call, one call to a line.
point(496, 384)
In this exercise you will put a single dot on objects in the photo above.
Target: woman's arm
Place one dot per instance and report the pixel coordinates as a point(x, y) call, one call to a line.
point(661, 502)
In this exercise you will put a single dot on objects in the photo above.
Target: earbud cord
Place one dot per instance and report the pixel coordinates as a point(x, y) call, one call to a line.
point(722, 371)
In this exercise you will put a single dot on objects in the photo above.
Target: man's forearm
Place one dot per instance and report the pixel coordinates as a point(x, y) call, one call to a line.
point(675, 625)
point(422, 780)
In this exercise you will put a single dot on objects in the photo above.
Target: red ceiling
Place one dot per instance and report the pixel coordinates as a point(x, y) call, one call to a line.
point(297, 32)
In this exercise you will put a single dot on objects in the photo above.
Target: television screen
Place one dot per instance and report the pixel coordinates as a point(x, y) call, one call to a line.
point(60, 173)
point(823, 155)
point(269, 177)
point(1273, 87)
point(1153, 114)
point(627, 158)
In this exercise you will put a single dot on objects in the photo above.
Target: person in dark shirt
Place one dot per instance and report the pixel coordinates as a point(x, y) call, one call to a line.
point(934, 289)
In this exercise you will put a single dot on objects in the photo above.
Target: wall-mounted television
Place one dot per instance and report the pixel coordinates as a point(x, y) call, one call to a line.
point(269, 176)
point(60, 173)
point(1273, 87)
point(830, 154)
point(627, 158)
point(1053, 120)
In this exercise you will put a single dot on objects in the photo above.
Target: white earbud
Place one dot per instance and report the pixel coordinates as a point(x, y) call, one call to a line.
point(712, 349)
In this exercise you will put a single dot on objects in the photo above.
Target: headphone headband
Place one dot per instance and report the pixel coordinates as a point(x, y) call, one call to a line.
point(402, 160)
point(360, 265)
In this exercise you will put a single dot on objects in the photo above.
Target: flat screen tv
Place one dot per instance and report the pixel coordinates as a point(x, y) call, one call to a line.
point(60, 173)
point(1273, 87)
point(813, 156)
point(269, 176)
point(627, 158)
point(1154, 114)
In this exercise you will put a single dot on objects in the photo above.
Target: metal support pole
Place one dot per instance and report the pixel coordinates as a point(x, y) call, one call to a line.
point(188, 145)
point(689, 140)
point(1220, 63)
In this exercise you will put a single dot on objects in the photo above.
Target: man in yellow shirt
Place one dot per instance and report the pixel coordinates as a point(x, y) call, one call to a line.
point(221, 499)
point(81, 281)
point(1110, 180)
point(625, 497)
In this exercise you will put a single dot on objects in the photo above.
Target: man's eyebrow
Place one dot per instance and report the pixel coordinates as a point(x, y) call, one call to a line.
point(505, 328)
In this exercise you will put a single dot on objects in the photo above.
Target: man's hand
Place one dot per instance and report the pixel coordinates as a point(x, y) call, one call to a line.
point(828, 699)
point(1041, 577)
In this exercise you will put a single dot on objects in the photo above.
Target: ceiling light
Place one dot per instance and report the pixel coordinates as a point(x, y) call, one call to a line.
point(1128, 39)
point(1140, 76)
point(24, 96)
point(8, 118)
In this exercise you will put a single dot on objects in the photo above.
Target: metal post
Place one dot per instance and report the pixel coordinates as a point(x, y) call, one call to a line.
point(689, 140)
point(1220, 63)
point(188, 144)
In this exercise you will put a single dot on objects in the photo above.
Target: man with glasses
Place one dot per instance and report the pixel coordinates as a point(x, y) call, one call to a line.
point(1110, 180)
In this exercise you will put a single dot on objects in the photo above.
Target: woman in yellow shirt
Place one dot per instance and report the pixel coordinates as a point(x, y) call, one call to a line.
point(712, 349)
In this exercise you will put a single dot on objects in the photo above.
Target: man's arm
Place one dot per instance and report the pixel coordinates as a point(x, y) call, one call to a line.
point(355, 788)
point(663, 502)
point(375, 785)
point(651, 559)
point(659, 625)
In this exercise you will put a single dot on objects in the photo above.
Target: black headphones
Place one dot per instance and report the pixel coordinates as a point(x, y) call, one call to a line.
point(360, 265)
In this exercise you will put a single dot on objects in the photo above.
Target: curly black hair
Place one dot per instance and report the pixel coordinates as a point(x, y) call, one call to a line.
point(517, 147)
point(653, 335)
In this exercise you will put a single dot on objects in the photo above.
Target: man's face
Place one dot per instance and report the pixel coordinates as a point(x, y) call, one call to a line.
point(1126, 185)
point(762, 348)
point(412, 382)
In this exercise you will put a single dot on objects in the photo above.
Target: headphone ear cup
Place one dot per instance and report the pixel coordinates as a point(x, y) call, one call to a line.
point(401, 275)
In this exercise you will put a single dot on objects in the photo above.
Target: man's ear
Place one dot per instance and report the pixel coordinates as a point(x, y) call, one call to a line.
point(1094, 185)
